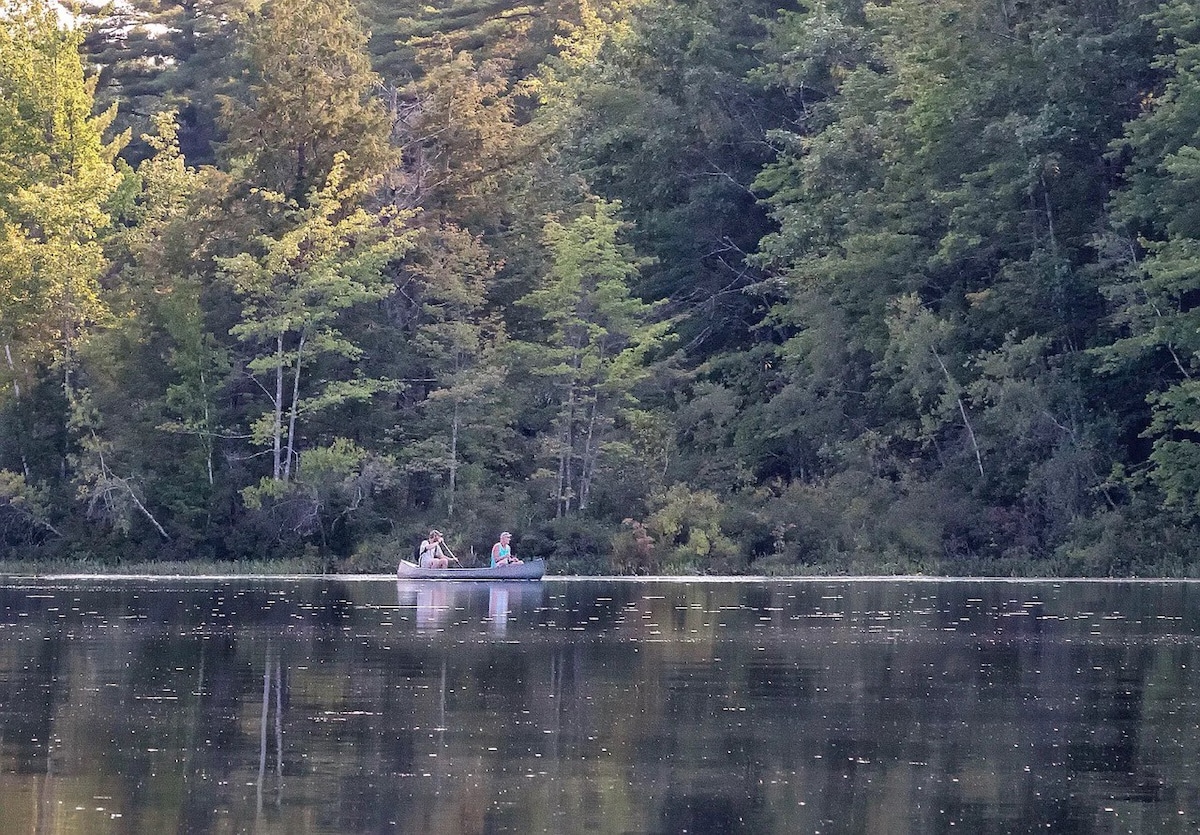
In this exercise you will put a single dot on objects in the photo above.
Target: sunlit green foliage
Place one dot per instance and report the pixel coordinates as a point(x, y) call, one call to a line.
point(697, 285)
point(56, 177)
point(598, 339)
point(309, 95)
point(293, 286)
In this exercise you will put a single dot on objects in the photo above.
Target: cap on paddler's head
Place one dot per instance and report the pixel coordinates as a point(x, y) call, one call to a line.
point(434, 533)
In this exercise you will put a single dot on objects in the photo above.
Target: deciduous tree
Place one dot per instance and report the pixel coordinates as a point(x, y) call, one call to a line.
point(331, 255)
point(598, 342)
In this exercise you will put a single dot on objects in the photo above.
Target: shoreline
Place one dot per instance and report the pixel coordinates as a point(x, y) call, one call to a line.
point(8, 577)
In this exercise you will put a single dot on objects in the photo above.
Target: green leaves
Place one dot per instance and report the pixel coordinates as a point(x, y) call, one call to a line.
point(56, 176)
point(596, 346)
point(309, 98)
point(329, 256)
point(1157, 281)
point(878, 233)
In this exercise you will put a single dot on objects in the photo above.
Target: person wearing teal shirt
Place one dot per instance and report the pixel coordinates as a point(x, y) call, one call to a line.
point(502, 553)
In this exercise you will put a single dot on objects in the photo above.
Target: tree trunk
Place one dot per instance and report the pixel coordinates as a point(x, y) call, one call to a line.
point(295, 407)
point(453, 457)
point(566, 455)
point(589, 456)
point(563, 448)
point(962, 410)
point(12, 367)
point(566, 490)
point(277, 428)
point(298, 190)
point(207, 437)
point(111, 480)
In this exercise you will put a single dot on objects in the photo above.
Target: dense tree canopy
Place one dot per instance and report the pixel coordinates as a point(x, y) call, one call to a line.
point(695, 285)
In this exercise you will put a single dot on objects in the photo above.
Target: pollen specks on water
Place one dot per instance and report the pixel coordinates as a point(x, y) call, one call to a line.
point(586, 705)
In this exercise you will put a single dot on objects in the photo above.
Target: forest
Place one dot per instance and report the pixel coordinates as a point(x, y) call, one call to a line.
point(661, 286)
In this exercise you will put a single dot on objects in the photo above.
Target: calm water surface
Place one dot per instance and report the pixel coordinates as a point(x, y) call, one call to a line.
point(608, 706)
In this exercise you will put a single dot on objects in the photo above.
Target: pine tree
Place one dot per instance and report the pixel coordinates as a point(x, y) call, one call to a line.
point(159, 55)
point(57, 176)
point(1155, 250)
point(310, 94)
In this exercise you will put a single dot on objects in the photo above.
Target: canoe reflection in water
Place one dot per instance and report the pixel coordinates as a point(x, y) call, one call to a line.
point(439, 605)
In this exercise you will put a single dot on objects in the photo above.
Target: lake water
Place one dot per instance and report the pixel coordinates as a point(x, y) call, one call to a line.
point(610, 706)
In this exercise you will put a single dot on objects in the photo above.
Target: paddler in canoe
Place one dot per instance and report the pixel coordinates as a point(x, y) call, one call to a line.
point(502, 552)
point(434, 553)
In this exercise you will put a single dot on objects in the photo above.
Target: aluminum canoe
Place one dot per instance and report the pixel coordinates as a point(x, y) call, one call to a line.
point(532, 570)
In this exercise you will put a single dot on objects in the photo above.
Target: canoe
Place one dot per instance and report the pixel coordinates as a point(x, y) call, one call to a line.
point(532, 570)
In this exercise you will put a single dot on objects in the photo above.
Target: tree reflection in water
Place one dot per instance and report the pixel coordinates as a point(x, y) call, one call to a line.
point(272, 683)
point(598, 706)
